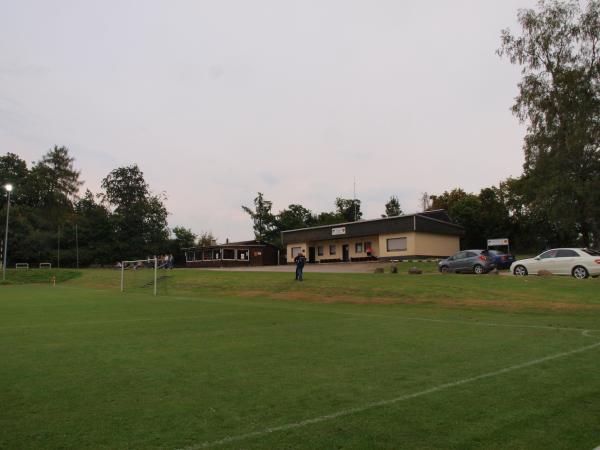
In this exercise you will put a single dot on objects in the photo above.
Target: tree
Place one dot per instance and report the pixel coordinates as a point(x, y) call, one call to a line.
point(139, 217)
point(348, 209)
point(14, 170)
point(263, 220)
point(447, 200)
point(559, 100)
point(392, 207)
point(184, 237)
point(96, 238)
point(54, 183)
point(294, 217)
point(206, 239)
point(328, 218)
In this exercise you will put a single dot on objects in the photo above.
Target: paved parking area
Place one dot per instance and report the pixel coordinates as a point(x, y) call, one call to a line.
point(362, 267)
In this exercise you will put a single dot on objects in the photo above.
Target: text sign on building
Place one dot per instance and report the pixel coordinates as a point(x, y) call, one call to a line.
point(338, 231)
point(493, 242)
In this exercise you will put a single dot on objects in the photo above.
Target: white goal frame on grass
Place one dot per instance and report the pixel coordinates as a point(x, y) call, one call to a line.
point(22, 266)
point(151, 260)
point(45, 265)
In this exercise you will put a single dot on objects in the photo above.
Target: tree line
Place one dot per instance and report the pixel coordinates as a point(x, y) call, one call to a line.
point(268, 225)
point(51, 222)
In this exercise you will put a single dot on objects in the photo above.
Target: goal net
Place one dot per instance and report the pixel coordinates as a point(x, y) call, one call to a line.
point(22, 266)
point(140, 275)
point(45, 265)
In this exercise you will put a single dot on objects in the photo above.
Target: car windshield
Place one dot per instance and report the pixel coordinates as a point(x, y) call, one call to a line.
point(591, 252)
point(495, 252)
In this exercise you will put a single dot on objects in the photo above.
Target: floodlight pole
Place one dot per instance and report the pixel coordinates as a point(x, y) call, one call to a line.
point(8, 188)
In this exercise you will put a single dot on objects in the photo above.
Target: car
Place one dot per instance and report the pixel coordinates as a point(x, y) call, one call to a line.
point(501, 259)
point(581, 263)
point(468, 261)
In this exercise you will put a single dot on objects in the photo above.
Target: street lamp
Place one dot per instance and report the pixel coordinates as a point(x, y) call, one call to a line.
point(9, 188)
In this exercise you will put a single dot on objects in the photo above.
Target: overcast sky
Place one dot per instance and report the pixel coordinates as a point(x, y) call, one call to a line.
point(216, 100)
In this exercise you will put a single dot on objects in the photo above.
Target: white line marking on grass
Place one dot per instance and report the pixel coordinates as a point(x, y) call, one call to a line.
point(392, 401)
point(588, 333)
point(328, 311)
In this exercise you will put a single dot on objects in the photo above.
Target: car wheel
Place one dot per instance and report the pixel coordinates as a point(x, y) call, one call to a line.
point(478, 269)
point(444, 269)
point(520, 271)
point(580, 273)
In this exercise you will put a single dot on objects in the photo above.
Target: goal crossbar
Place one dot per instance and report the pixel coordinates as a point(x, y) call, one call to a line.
point(136, 261)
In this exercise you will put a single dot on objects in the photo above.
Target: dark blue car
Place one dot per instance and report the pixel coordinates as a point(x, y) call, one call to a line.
point(501, 259)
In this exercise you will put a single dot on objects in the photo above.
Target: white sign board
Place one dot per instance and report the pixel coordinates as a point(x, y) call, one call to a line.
point(338, 231)
point(494, 242)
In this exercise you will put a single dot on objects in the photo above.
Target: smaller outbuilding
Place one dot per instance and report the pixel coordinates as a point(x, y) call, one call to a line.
point(232, 254)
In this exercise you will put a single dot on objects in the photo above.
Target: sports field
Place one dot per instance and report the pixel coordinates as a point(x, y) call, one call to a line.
point(256, 360)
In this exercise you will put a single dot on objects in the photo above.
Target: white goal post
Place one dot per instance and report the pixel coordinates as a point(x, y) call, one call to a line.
point(22, 266)
point(45, 265)
point(139, 264)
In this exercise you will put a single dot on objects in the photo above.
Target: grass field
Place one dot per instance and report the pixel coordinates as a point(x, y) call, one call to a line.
point(256, 360)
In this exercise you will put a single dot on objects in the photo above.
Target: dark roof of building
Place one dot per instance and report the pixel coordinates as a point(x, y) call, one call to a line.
point(435, 222)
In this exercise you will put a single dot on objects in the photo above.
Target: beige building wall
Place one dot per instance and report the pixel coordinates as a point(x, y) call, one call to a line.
point(417, 244)
point(436, 245)
point(290, 247)
point(374, 240)
point(410, 245)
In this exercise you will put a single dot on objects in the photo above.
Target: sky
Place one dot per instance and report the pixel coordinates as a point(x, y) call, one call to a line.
point(217, 100)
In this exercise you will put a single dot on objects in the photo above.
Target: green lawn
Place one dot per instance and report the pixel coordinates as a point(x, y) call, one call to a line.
point(256, 360)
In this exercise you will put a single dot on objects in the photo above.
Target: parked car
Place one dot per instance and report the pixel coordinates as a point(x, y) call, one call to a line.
point(578, 262)
point(501, 259)
point(468, 261)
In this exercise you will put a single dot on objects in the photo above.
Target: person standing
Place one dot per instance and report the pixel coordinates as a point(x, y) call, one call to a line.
point(300, 260)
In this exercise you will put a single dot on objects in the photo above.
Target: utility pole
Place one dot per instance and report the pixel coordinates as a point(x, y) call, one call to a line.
point(76, 246)
point(58, 250)
point(354, 200)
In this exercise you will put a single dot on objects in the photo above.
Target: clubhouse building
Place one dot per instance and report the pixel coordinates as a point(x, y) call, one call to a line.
point(428, 234)
point(232, 254)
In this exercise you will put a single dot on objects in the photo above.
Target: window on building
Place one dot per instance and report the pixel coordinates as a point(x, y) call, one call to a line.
point(358, 247)
point(320, 251)
point(242, 254)
point(295, 251)
point(396, 244)
point(228, 253)
point(368, 247)
point(332, 249)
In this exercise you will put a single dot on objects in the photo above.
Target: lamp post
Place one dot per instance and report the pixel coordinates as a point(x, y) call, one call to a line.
point(9, 189)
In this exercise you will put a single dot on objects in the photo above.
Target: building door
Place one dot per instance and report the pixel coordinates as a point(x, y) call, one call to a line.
point(311, 254)
point(345, 253)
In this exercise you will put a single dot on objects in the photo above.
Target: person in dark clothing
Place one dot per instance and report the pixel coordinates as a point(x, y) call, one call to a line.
point(300, 260)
